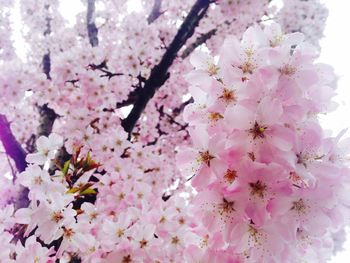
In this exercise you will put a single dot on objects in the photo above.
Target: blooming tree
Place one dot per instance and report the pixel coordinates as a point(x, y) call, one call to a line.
point(185, 132)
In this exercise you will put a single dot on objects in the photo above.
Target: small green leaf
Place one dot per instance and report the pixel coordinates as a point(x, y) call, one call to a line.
point(88, 157)
point(73, 190)
point(65, 167)
point(88, 191)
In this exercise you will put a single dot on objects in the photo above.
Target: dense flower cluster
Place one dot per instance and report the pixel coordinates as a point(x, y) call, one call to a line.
point(271, 184)
point(129, 220)
point(7, 51)
point(308, 17)
point(226, 162)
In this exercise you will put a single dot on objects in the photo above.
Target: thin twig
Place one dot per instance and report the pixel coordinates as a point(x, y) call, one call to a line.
point(199, 41)
point(14, 177)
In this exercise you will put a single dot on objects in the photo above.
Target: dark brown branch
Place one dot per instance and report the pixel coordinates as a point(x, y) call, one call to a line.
point(133, 96)
point(91, 26)
point(204, 37)
point(179, 109)
point(159, 73)
point(46, 120)
point(172, 120)
point(47, 65)
point(30, 144)
point(11, 145)
point(199, 41)
point(46, 59)
point(17, 154)
point(47, 115)
point(155, 13)
point(104, 69)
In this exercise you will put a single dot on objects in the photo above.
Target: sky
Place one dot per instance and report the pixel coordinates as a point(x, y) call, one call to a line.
point(335, 51)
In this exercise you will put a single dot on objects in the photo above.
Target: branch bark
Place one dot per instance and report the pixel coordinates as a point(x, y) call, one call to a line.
point(199, 41)
point(159, 73)
point(178, 110)
point(46, 120)
point(91, 26)
point(155, 13)
point(14, 149)
point(11, 145)
point(47, 115)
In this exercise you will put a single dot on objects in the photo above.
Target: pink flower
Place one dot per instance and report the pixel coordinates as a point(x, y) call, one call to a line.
point(50, 216)
point(34, 252)
point(46, 147)
point(267, 178)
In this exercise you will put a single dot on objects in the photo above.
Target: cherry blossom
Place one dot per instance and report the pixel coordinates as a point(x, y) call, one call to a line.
point(46, 149)
point(181, 131)
point(269, 183)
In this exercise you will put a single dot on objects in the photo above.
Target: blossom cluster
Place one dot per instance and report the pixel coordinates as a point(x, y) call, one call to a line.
point(308, 17)
point(234, 168)
point(6, 49)
point(118, 215)
point(272, 185)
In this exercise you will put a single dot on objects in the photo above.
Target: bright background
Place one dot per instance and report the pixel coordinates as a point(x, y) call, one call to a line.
point(336, 52)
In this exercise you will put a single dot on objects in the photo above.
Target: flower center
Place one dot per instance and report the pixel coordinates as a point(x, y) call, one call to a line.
point(120, 232)
point(226, 207)
point(57, 216)
point(205, 157)
point(215, 116)
point(127, 259)
point(258, 188)
point(258, 131)
point(230, 175)
point(228, 96)
point(175, 240)
point(299, 206)
point(287, 70)
point(212, 69)
point(143, 243)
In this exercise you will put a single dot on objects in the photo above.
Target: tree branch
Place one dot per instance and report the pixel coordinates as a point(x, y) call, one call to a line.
point(46, 62)
point(17, 154)
point(46, 120)
point(199, 41)
point(159, 73)
point(91, 26)
point(155, 13)
point(47, 115)
point(132, 97)
point(104, 69)
point(179, 109)
point(12, 147)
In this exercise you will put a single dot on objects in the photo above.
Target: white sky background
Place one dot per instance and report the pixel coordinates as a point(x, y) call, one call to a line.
point(335, 51)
